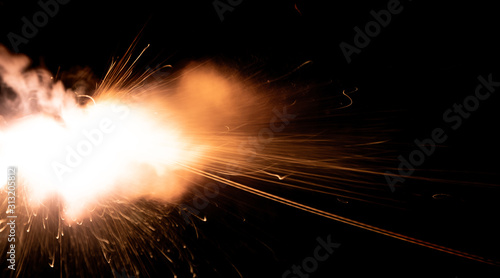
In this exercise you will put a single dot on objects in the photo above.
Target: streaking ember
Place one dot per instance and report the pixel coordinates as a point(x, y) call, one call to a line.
point(101, 175)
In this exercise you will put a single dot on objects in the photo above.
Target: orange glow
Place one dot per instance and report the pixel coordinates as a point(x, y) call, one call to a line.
point(93, 152)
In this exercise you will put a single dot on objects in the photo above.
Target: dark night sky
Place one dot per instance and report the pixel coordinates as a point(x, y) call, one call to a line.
point(427, 58)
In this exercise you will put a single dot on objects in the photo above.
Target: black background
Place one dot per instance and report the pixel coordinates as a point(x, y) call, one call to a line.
point(426, 59)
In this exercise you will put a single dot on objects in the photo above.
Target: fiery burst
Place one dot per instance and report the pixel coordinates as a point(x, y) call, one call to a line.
point(101, 177)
